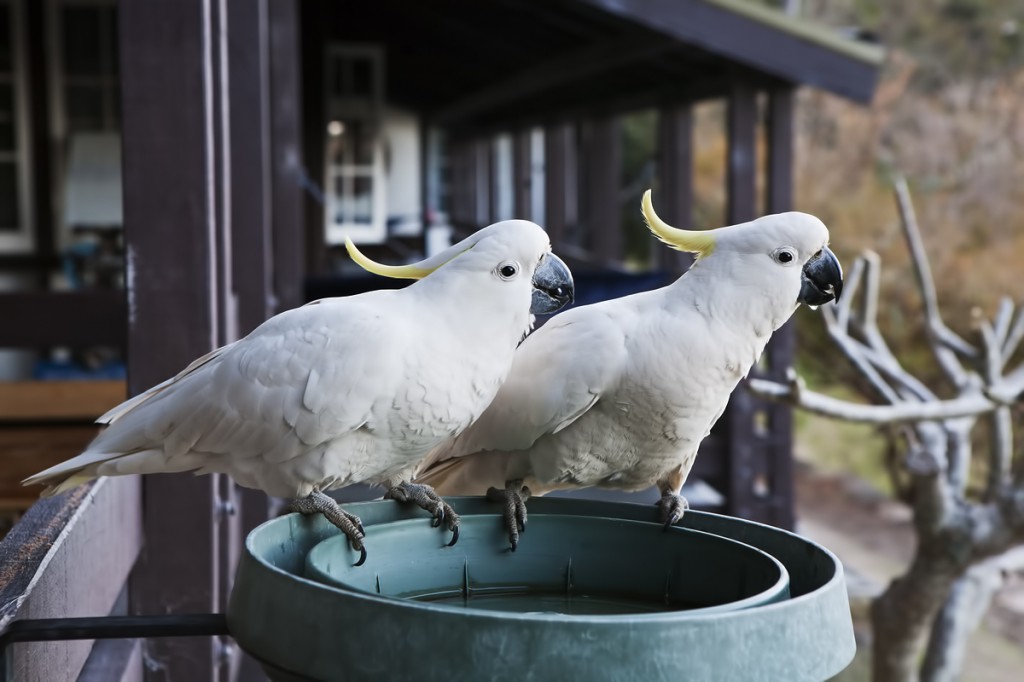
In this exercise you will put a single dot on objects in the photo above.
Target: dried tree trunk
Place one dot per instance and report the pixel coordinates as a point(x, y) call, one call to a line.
point(965, 543)
point(968, 602)
point(902, 616)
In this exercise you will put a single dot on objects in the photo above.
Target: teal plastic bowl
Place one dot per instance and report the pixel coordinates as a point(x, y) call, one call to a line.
point(566, 565)
point(302, 629)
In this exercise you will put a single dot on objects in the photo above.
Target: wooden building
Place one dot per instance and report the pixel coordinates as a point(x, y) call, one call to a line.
point(237, 140)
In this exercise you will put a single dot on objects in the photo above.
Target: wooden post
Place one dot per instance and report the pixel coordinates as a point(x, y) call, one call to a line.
point(286, 163)
point(555, 182)
point(674, 186)
point(522, 174)
point(741, 205)
point(483, 166)
point(177, 221)
point(602, 178)
point(463, 210)
point(782, 347)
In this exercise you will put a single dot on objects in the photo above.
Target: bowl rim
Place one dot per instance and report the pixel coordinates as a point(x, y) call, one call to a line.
point(834, 582)
point(777, 591)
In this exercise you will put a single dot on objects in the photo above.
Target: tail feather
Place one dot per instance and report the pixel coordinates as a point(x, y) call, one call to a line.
point(70, 468)
point(68, 483)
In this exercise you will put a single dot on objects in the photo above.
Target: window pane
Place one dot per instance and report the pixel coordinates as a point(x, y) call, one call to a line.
point(362, 77)
point(5, 39)
point(7, 120)
point(8, 197)
point(85, 108)
point(81, 41)
point(362, 200)
point(339, 202)
point(362, 141)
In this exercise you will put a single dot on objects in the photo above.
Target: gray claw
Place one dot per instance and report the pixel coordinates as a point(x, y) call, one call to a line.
point(672, 508)
point(514, 497)
point(349, 524)
point(425, 497)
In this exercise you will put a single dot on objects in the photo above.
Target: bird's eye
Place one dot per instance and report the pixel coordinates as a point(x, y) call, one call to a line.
point(784, 256)
point(508, 270)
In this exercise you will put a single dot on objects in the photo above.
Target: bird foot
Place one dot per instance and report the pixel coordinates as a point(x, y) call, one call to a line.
point(514, 496)
point(672, 507)
point(425, 497)
point(349, 524)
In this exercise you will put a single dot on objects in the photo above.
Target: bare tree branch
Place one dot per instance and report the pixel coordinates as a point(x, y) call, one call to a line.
point(1001, 325)
point(1000, 450)
point(840, 311)
point(1014, 336)
point(959, 451)
point(944, 342)
point(874, 360)
point(954, 532)
point(881, 356)
point(818, 403)
point(1008, 389)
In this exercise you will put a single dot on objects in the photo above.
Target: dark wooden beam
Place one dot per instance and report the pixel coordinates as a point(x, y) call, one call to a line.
point(741, 164)
point(483, 171)
point(844, 69)
point(585, 63)
point(555, 182)
point(522, 174)
point(782, 348)
point(250, 144)
point(741, 183)
point(76, 319)
point(602, 177)
point(459, 162)
point(312, 112)
point(541, 112)
point(781, 110)
point(674, 187)
point(172, 223)
point(267, 227)
point(288, 177)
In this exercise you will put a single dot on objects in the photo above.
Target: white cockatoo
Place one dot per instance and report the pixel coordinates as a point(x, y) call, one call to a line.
point(620, 394)
point(344, 390)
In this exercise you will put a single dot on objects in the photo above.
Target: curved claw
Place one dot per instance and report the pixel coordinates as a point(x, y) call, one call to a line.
point(362, 557)
point(673, 507)
point(513, 496)
point(455, 537)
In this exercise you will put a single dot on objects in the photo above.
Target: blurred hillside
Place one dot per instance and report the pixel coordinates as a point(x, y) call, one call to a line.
point(947, 115)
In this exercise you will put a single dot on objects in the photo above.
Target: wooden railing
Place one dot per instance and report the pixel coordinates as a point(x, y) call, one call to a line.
point(71, 555)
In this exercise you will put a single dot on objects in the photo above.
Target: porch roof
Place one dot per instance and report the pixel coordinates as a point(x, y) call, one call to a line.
point(491, 63)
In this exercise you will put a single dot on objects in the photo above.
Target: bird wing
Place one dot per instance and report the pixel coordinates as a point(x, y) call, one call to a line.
point(304, 377)
point(558, 374)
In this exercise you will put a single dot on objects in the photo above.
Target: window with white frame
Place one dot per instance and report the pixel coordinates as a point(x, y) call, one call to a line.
point(354, 168)
point(86, 122)
point(15, 206)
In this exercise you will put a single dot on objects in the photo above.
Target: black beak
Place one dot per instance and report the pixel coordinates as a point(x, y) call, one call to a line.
point(552, 285)
point(822, 279)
